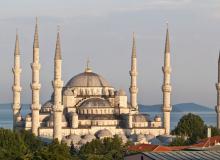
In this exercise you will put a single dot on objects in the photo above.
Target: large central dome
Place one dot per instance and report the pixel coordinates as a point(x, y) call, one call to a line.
point(87, 79)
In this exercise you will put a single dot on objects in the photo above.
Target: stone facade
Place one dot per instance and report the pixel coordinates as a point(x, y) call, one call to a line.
point(88, 106)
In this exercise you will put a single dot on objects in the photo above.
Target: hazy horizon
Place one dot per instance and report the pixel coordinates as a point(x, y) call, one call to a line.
point(102, 31)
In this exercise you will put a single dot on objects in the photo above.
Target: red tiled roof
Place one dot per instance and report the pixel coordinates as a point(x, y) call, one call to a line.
point(158, 148)
point(142, 147)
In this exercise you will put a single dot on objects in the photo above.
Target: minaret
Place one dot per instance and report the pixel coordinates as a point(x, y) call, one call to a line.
point(133, 73)
point(57, 85)
point(217, 108)
point(16, 88)
point(166, 88)
point(35, 86)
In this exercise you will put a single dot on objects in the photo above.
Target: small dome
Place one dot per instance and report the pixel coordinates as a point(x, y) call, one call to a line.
point(157, 118)
point(87, 79)
point(123, 138)
point(47, 107)
point(89, 137)
point(19, 117)
point(140, 118)
point(121, 92)
point(103, 133)
point(67, 141)
point(133, 138)
point(50, 121)
point(155, 141)
point(28, 118)
point(83, 141)
point(74, 138)
point(149, 137)
point(165, 139)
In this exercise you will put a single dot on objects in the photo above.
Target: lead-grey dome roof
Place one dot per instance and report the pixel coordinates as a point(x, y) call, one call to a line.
point(87, 79)
point(95, 103)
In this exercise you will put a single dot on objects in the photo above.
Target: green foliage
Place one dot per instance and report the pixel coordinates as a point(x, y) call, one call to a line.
point(106, 149)
point(191, 126)
point(25, 146)
point(12, 145)
point(178, 141)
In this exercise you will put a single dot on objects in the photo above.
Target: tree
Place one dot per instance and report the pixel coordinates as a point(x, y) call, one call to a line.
point(12, 145)
point(178, 141)
point(191, 126)
point(103, 149)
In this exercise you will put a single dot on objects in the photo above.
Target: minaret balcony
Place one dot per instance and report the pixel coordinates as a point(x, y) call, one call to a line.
point(35, 107)
point(166, 88)
point(217, 109)
point(218, 86)
point(16, 88)
point(35, 66)
point(167, 108)
point(35, 86)
point(16, 70)
point(58, 108)
point(166, 70)
point(133, 73)
point(133, 90)
point(16, 106)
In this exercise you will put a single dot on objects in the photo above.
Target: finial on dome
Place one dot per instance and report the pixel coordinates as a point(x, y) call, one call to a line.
point(88, 69)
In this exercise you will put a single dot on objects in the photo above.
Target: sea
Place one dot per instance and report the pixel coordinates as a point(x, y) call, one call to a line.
point(6, 120)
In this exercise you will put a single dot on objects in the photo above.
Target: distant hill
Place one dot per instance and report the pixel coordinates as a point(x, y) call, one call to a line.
point(182, 107)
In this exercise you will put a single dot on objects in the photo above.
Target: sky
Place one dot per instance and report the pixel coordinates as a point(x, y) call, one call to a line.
point(101, 30)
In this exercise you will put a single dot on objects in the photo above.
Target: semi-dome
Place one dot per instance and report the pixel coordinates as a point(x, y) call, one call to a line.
point(87, 79)
point(103, 133)
point(95, 102)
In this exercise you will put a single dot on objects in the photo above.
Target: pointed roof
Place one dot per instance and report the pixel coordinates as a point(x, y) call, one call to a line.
point(219, 57)
point(17, 48)
point(134, 47)
point(36, 40)
point(167, 43)
point(58, 48)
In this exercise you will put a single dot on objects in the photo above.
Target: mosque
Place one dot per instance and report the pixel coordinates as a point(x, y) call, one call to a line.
point(88, 106)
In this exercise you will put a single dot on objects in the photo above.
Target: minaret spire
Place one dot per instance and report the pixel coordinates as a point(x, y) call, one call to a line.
point(58, 48)
point(217, 108)
point(36, 40)
point(57, 85)
point(35, 85)
point(133, 73)
point(16, 88)
point(17, 47)
point(167, 44)
point(166, 88)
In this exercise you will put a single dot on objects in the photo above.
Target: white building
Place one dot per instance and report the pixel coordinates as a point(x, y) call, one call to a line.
point(88, 106)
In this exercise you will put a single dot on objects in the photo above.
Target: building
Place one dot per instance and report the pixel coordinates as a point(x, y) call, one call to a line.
point(183, 155)
point(88, 106)
point(206, 144)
